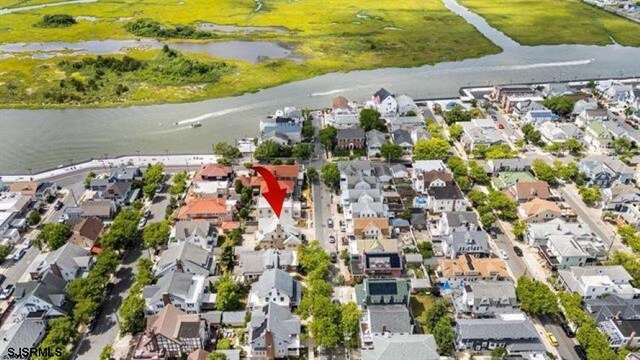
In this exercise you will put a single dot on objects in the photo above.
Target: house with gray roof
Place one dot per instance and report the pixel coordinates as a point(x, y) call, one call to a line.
point(456, 221)
point(275, 286)
point(537, 233)
point(274, 332)
point(186, 257)
point(46, 297)
point(563, 251)
point(559, 132)
point(381, 319)
point(69, 262)
point(406, 106)
point(355, 168)
point(252, 264)
point(466, 243)
point(182, 290)
point(603, 171)
point(124, 173)
point(514, 331)
point(592, 282)
point(612, 307)
point(480, 132)
point(375, 139)
point(350, 139)
point(383, 292)
point(402, 138)
point(420, 133)
point(200, 233)
point(619, 197)
point(399, 171)
point(495, 166)
point(487, 298)
point(401, 346)
point(26, 334)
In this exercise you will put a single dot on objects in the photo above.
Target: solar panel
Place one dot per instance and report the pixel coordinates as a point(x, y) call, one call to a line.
point(383, 288)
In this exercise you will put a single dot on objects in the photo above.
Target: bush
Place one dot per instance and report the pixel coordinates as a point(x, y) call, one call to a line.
point(152, 28)
point(56, 21)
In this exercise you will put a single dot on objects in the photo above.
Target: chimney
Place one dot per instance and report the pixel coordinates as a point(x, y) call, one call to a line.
point(384, 329)
point(268, 340)
point(179, 266)
point(154, 340)
point(166, 299)
point(55, 269)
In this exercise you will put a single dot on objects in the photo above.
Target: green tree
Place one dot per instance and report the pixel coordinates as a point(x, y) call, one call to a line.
point(4, 251)
point(502, 205)
point(438, 311)
point(499, 151)
point(307, 129)
point(267, 150)
point(457, 114)
point(478, 173)
point(106, 353)
point(179, 183)
point(131, 313)
point(630, 262)
point(431, 149)
point(34, 218)
point(302, 151)
point(457, 166)
point(61, 332)
point(536, 298)
point(312, 173)
point(444, 336)
point(391, 151)
point(224, 344)
point(226, 150)
point(499, 353)
point(327, 137)
point(519, 228)
point(622, 145)
point(531, 135)
point(227, 257)
point(463, 182)
point(90, 176)
point(325, 324)
point(370, 120)
point(435, 130)
point(488, 220)
point(54, 235)
point(217, 355)
point(350, 324)
point(560, 105)
point(228, 294)
point(123, 230)
point(330, 175)
point(574, 146)
point(152, 177)
point(156, 234)
point(590, 195)
point(566, 172)
point(555, 148)
point(544, 171)
point(455, 131)
point(479, 151)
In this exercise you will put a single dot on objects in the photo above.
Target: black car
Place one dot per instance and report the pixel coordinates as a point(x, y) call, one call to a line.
point(2, 278)
point(580, 352)
point(334, 257)
point(567, 329)
point(518, 251)
point(59, 204)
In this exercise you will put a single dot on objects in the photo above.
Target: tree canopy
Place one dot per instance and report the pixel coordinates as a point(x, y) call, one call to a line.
point(54, 235)
point(370, 120)
point(152, 177)
point(391, 151)
point(536, 298)
point(560, 105)
point(328, 137)
point(330, 175)
point(431, 149)
point(226, 150)
point(156, 234)
point(228, 298)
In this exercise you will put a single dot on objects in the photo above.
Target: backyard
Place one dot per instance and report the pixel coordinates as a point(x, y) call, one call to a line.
point(420, 303)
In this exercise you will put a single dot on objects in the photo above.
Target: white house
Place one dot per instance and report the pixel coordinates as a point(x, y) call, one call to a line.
point(592, 282)
point(182, 290)
point(385, 103)
point(275, 286)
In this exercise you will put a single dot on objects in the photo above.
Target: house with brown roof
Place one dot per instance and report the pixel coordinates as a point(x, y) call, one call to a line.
point(433, 178)
point(213, 210)
point(453, 273)
point(86, 232)
point(539, 211)
point(26, 188)
point(371, 227)
point(103, 209)
point(525, 191)
point(214, 172)
point(172, 334)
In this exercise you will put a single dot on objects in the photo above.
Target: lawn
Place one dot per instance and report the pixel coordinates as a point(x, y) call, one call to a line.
point(329, 35)
point(420, 303)
point(551, 22)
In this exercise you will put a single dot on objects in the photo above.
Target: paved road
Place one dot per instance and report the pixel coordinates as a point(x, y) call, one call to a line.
point(106, 329)
point(565, 344)
point(14, 270)
point(321, 195)
point(515, 263)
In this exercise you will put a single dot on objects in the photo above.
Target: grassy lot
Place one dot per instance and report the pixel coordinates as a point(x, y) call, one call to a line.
point(420, 303)
point(550, 22)
point(330, 35)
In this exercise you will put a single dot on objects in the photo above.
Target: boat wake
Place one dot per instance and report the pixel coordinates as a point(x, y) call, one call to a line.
point(216, 114)
point(335, 91)
point(516, 67)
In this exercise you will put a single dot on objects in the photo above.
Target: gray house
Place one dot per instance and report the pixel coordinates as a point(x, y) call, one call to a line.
point(463, 243)
point(26, 334)
point(604, 170)
point(200, 233)
point(186, 257)
point(274, 332)
point(275, 286)
point(487, 298)
point(402, 346)
point(182, 290)
point(375, 139)
point(402, 138)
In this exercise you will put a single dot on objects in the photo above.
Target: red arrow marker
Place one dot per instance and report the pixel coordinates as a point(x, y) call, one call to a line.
point(275, 194)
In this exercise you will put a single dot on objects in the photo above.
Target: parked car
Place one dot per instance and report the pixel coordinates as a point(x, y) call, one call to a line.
point(62, 218)
point(59, 204)
point(334, 257)
point(142, 223)
point(147, 214)
point(2, 278)
point(159, 188)
point(493, 233)
point(19, 254)
point(7, 291)
point(552, 339)
point(503, 255)
point(582, 354)
point(567, 329)
point(332, 239)
point(330, 223)
point(518, 251)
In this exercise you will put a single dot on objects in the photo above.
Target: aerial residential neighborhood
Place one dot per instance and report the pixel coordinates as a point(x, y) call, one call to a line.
point(499, 224)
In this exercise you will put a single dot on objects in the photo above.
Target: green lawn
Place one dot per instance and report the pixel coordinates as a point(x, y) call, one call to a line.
point(420, 303)
point(550, 22)
point(333, 35)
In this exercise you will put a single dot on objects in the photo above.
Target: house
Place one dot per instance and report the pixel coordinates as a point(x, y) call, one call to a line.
point(172, 333)
point(559, 132)
point(616, 92)
point(456, 221)
point(102, 209)
point(420, 133)
point(402, 346)
point(446, 198)
point(612, 307)
point(406, 106)
point(200, 233)
point(274, 333)
point(597, 137)
point(538, 211)
point(121, 192)
point(26, 334)
point(528, 190)
point(374, 140)
point(453, 273)
point(188, 258)
point(619, 197)
point(402, 138)
point(124, 173)
point(533, 112)
point(355, 168)
point(278, 234)
point(46, 296)
point(183, 291)
point(507, 97)
point(557, 90)
point(367, 227)
point(374, 292)
point(621, 333)
point(603, 171)
point(213, 210)
point(495, 166)
point(350, 139)
point(430, 179)
point(382, 264)
point(480, 132)
point(515, 332)
point(45, 190)
point(408, 123)
point(462, 243)
point(86, 232)
point(68, 262)
point(563, 252)
point(344, 114)
point(290, 208)
point(214, 172)
point(506, 179)
point(275, 286)
point(384, 102)
point(399, 171)
point(384, 320)
point(252, 264)
point(283, 130)
point(487, 299)
point(537, 233)
point(586, 110)
point(592, 282)
point(26, 188)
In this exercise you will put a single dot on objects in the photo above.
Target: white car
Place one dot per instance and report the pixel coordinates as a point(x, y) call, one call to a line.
point(19, 254)
point(503, 255)
point(142, 223)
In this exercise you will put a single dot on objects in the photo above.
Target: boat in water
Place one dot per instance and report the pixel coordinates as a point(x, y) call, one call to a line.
point(196, 125)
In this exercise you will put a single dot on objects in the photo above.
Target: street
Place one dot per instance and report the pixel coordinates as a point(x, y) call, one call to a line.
point(565, 343)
